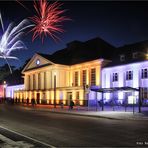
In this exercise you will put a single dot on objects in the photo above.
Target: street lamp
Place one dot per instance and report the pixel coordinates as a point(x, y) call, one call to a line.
point(4, 84)
point(139, 100)
point(54, 90)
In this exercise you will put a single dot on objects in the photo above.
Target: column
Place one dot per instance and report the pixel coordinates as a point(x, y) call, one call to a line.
point(79, 78)
point(45, 80)
point(39, 81)
point(31, 81)
point(98, 75)
point(87, 76)
point(36, 79)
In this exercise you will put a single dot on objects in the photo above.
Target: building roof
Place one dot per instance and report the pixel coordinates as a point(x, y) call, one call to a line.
point(140, 48)
point(77, 52)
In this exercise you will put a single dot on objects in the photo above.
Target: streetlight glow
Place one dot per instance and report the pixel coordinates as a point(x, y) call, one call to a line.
point(4, 83)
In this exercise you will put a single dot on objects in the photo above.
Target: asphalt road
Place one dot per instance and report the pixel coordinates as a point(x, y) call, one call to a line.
point(63, 130)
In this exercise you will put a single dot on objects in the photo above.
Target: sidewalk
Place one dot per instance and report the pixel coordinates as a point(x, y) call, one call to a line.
point(83, 111)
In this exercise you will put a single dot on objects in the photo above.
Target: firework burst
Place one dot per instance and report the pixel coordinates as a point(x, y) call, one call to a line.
point(48, 20)
point(10, 39)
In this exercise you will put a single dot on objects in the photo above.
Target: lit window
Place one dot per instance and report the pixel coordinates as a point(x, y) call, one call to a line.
point(146, 55)
point(93, 76)
point(84, 77)
point(115, 77)
point(129, 75)
point(144, 74)
point(122, 57)
point(76, 78)
point(144, 92)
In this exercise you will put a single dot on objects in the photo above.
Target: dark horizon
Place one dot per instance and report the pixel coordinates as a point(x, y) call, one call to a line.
point(118, 23)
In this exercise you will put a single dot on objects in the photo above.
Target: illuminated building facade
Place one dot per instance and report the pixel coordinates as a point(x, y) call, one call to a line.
point(1, 91)
point(133, 75)
point(66, 74)
point(71, 72)
point(128, 69)
point(11, 89)
point(41, 76)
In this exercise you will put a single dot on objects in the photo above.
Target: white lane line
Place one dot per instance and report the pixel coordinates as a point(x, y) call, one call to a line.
point(7, 140)
point(35, 140)
point(9, 143)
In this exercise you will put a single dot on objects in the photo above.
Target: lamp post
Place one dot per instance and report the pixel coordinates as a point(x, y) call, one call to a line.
point(139, 101)
point(4, 84)
point(54, 90)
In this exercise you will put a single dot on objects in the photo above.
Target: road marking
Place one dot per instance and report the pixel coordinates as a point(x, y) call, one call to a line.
point(8, 142)
point(35, 140)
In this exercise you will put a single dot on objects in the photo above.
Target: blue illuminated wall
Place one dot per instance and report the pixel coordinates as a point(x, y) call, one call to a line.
point(136, 82)
point(10, 90)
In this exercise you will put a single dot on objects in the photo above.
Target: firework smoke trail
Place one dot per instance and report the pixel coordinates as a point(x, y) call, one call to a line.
point(48, 20)
point(18, 1)
point(2, 24)
point(10, 40)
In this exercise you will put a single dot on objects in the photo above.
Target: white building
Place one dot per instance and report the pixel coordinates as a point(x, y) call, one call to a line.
point(133, 75)
point(10, 90)
point(128, 68)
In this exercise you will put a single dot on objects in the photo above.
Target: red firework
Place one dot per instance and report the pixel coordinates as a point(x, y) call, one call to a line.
point(48, 20)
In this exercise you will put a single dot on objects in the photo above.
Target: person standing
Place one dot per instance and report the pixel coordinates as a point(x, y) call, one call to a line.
point(27, 101)
point(71, 104)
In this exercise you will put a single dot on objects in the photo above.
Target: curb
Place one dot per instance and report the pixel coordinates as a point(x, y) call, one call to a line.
point(87, 115)
point(98, 116)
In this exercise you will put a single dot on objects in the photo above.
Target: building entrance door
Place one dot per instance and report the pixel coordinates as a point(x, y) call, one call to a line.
point(38, 98)
point(69, 97)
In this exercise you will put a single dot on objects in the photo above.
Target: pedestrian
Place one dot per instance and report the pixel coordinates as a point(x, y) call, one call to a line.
point(99, 103)
point(22, 100)
point(62, 105)
point(71, 104)
point(33, 101)
point(27, 101)
point(77, 104)
point(16, 100)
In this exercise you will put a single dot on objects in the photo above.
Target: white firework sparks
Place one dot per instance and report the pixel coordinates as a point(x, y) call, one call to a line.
point(10, 39)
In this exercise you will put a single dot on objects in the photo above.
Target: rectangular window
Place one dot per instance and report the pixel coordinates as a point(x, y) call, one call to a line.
point(76, 78)
point(93, 76)
point(129, 75)
point(135, 55)
point(115, 77)
point(122, 57)
point(144, 74)
point(145, 92)
point(84, 77)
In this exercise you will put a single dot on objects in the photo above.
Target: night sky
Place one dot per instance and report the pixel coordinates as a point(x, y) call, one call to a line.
point(118, 23)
